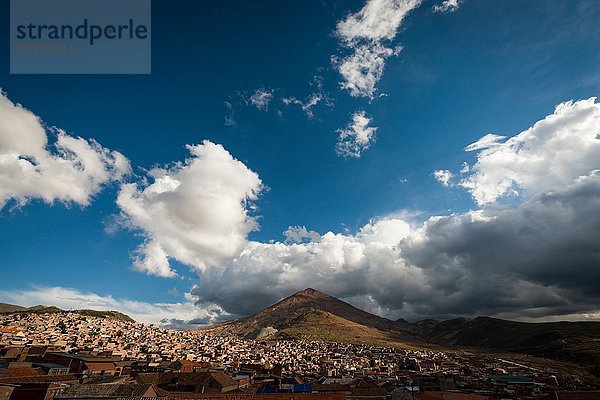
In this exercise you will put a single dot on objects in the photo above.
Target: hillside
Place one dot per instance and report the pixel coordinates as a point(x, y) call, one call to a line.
point(8, 308)
point(40, 309)
point(321, 325)
point(577, 342)
point(311, 314)
point(116, 315)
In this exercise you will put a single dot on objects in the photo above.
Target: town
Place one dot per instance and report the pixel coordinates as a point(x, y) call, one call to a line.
point(67, 355)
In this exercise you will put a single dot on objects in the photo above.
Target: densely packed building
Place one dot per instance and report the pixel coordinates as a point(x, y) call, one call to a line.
point(68, 355)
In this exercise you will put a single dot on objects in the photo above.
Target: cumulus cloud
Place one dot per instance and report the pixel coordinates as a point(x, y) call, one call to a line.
point(447, 6)
point(538, 259)
point(356, 137)
point(535, 260)
point(367, 34)
point(48, 164)
point(343, 265)
point(195, 211)
point(176, 315)
point(443, 176)
point(549, 155)
point(261, 98)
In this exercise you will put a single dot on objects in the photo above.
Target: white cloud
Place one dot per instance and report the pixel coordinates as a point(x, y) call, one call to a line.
point(550, 154)
point(229, 117)
point(356, 137)
point(153, 313)
point(477, 262)
point(487, 141)
point(480, 262)
point(340, 264)
point(308, 105)
point(377, 20)
point(297, 234)
point(317, 97)
point(261, 98)
point(363, 69)
point(152, 259)
point(447, 6)
point(443, 176)
point(68, 169)
point(195, 212)
point(366, 33)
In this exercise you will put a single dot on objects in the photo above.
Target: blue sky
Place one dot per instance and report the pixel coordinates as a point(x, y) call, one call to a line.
point(482, 67)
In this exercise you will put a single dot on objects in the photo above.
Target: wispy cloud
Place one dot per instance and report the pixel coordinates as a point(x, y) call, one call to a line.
point(368, 34)
point(229, 117)
point(319, 96)
point(261, 98)
point(443, 176)
point(308, 105)
point(487, 141)
point(447, 6)
point(356, 137)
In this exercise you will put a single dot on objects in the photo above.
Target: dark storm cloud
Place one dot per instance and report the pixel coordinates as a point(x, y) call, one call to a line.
point(542, 256)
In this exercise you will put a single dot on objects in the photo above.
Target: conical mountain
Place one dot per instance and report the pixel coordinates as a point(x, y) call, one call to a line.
point(312, 314)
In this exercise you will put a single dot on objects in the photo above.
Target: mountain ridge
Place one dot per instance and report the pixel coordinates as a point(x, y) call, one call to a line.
point(562, 340)
point(6, 308)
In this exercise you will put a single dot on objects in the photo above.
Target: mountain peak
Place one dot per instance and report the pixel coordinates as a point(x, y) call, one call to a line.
point(311, 293)
point(294, 314)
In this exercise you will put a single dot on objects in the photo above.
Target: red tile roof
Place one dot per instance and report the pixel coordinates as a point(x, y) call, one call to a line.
point(20, 371)
point(100, 366)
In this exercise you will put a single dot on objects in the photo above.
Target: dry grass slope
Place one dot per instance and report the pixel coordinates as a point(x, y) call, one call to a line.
point(321, 325)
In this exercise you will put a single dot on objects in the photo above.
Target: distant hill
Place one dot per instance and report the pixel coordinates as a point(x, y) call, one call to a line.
point(38, 307)
point(311, 314)
point(107, 314)
point(8, 308)
point(577, 342)
point(41, 309)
